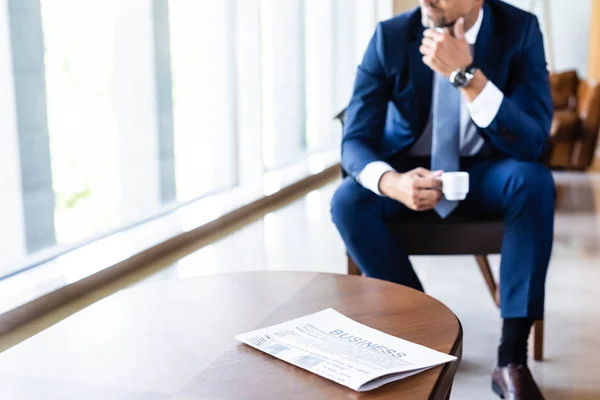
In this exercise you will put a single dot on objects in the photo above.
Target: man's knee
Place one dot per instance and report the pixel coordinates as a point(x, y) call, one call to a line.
point(530, 184)
point(349, 203)
point(344, 201)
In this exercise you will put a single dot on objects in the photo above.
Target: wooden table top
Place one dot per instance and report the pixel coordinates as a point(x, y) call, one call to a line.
point(175, 340)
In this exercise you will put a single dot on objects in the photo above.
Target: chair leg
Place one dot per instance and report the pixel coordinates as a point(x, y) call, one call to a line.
point(352, 267)
point(486, 271)
point(538, 340)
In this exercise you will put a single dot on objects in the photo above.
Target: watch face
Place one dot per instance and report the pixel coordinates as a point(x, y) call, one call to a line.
point(460, 79)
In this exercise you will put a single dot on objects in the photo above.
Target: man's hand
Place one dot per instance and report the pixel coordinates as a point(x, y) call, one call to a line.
point(445, 53)
point(419, 189)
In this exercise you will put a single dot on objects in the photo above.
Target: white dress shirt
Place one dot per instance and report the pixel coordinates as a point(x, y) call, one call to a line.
point(481, 112)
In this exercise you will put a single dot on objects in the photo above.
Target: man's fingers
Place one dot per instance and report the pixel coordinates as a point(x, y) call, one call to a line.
point(433, 35)
point(429, 43)
point(422, 172)
point(429, 197)
point(425, 199)
point(425, 51)
point(425, 173)
point(428, 183)
point(428, 60)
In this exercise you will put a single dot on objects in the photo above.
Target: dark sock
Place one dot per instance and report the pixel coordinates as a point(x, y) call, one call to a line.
point(513, 346)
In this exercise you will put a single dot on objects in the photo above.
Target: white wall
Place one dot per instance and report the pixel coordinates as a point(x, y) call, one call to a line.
point(570, 22)
point(568, 39)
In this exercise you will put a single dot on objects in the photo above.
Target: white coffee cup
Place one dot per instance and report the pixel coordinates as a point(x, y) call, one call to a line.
point(455, 185)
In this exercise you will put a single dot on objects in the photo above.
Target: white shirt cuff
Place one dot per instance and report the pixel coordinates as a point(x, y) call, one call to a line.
point(370, 175)
point(484, 108)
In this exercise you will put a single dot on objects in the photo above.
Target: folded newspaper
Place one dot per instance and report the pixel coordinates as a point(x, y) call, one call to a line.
point(338, 348)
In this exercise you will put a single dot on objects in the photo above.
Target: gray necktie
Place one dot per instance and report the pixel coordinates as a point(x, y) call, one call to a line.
point(446, 134)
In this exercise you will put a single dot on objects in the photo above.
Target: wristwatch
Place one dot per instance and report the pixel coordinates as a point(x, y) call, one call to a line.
point(462, 77)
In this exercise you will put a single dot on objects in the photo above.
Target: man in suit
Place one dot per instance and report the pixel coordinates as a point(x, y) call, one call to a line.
point(455, 85)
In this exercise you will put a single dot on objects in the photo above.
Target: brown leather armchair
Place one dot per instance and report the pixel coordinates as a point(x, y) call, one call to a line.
point(576, 122)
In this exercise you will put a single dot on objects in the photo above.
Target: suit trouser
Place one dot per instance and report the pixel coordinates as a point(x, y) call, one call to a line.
point(522, 192)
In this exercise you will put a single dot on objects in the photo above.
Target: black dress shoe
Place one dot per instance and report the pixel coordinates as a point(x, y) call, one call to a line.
point(515, 382)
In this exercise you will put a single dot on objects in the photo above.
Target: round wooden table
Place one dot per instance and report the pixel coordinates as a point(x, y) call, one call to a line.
point(175, 340)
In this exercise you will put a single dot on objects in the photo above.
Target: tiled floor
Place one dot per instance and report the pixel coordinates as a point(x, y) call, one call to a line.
point(301, 237)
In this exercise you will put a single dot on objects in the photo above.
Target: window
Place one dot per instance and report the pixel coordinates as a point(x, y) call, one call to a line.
point(283, 81)
point(114, 113)
point(202, 55)
point(82, 123)
point(319, 40)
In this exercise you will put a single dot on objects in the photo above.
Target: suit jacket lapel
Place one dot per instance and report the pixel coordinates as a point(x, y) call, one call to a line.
point(488, 46)
point(421, 75)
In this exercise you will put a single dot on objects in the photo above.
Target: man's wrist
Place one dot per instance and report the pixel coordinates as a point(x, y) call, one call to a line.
point(371, 174)
point(484, 108)
point(475, 86)
point(386, 182)
point(462, 76)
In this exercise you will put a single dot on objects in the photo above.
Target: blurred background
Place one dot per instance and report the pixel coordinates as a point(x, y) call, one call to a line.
point(126, 125)
point(115, 112)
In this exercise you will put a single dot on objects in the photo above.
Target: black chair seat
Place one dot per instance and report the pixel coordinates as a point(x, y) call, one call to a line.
point(460, 234)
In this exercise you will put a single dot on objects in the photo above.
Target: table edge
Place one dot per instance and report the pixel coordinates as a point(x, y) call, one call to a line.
point(443, 384)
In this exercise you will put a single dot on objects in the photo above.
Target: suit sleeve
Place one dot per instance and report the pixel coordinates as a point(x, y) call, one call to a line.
point(521, 127)
point(366, 113)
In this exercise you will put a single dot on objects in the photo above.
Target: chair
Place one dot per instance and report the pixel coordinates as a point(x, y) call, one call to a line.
point(458, 235)
point(576, 122)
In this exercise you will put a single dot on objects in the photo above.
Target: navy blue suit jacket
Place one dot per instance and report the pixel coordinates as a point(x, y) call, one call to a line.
point(392, 93)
